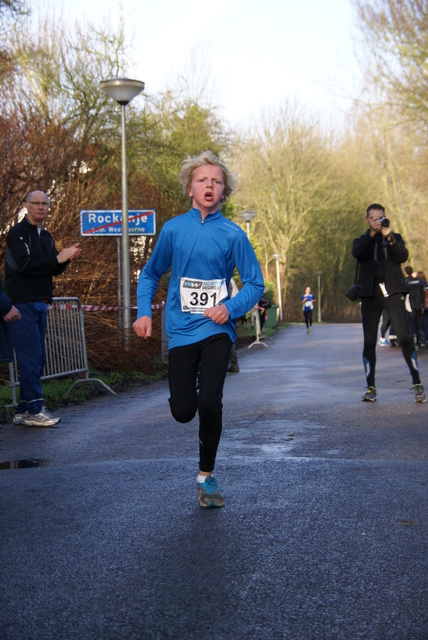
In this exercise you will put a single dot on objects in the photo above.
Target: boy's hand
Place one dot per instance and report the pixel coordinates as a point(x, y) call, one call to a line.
point(219, 315)
point(143, 327)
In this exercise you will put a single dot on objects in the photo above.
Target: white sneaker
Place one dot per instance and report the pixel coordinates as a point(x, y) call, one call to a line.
point(19, 418)
point(383, 342)
point(42, 419)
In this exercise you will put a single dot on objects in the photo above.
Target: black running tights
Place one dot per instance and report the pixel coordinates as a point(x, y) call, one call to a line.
point(203, 364)
point(371, 309)
point(308, 317)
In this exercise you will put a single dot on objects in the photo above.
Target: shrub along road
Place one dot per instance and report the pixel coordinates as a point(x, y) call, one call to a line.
point(323, 533)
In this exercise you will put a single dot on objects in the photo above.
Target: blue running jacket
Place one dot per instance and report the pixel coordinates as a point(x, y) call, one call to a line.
point(198, 254)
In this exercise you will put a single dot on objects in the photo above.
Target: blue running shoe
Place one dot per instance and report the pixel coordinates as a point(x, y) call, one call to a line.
point(209, 493)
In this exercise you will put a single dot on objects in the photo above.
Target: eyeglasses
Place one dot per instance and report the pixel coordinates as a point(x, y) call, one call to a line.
point(41, 204)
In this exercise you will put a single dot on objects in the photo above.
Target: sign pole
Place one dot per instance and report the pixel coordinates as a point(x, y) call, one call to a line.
point(119, 282)
point(122, 224)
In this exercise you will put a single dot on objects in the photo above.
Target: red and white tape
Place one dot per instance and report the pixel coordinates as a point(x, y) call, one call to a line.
point(103, 307)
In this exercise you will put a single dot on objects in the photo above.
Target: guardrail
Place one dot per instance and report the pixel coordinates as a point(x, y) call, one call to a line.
point(65, 346)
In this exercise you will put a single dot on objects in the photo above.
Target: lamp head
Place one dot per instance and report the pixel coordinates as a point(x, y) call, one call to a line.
point(122, 90)
point(247, 216)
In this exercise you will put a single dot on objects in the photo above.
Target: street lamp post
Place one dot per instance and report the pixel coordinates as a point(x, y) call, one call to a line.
point(277, 257)
point(247, 216)
point(319, 295)
point(123, 90)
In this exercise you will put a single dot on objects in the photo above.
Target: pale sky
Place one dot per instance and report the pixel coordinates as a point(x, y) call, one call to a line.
point(256, 53)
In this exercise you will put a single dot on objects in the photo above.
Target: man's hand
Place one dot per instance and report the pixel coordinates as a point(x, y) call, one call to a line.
point(219, 315)
point(143, 327)
point(69, 253)
point(12, 315)
point(375, 226)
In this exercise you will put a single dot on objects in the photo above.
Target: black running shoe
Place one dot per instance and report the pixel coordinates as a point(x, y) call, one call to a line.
point(420, 395)
point(370, 395)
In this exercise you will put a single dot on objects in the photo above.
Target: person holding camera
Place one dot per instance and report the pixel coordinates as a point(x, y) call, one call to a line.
point(380, 252)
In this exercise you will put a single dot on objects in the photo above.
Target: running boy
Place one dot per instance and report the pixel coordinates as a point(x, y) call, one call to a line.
point(202, 248)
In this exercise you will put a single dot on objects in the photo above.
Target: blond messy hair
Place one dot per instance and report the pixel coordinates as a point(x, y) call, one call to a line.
point(190, 164)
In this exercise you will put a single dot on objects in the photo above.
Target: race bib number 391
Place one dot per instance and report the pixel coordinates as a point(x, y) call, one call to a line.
point(198, 295)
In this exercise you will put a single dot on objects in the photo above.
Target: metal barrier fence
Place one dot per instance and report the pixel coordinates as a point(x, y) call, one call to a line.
point(255, 317)
point(65, 346)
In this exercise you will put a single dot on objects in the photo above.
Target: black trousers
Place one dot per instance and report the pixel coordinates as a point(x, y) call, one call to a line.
point(371, 310)
point(386, 323)
point(308, 317)
point(416, 325)
point(204, 365)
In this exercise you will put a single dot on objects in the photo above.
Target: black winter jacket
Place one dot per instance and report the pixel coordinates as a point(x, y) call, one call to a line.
point(364, 248)
point(416, 290)
point(30, 263)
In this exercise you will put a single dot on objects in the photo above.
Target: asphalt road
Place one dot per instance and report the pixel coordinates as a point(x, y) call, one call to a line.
point(323, 534)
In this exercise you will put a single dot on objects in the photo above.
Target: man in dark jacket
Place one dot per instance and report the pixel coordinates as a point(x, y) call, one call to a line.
point(380, 253)
point(31, 262)
point(8, 313)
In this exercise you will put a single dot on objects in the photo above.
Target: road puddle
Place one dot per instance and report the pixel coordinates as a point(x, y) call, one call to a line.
point(23, 464)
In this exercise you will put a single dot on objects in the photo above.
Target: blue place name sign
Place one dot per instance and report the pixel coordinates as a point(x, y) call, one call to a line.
point(109, 223)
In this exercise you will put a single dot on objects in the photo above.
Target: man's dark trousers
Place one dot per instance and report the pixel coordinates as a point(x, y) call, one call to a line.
point(28, 336)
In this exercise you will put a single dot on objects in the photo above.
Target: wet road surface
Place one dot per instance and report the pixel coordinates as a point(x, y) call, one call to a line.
point(323, 534)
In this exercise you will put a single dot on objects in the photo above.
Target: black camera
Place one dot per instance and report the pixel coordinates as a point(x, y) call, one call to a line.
point(384, 222)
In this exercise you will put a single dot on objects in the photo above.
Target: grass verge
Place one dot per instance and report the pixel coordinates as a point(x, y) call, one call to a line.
point(55, 391)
